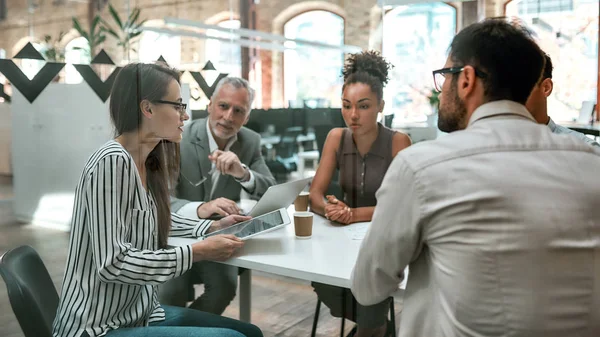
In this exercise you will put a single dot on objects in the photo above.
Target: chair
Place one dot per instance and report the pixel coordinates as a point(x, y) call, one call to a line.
point(388, 120)
point(316, 319)
point(321, 132)
point(295, 103)
point(314, 103)
point(286, 154)
point(32, 295)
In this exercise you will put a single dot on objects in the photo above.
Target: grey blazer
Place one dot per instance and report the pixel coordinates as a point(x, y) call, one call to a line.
point(195, 165)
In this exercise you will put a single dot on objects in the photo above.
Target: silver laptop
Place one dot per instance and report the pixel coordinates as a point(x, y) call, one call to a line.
point(279, 196)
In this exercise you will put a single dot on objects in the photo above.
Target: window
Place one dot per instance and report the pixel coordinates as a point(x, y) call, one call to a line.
point(547, 6)
point(310, 74)
point(76, 52)
point(415, 40)
point(568, 32)
point(153, 45)
point(225, 56)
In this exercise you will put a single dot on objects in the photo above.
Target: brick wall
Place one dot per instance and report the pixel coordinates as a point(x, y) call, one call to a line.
point(362, 18)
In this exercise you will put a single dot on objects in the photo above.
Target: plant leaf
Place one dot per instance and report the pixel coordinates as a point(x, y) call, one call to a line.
point(101, 39)
point(111, 32)
point(139, 25)
point(135, 34)
point(115, 16)
point(80, 30)
point(104, 24)
point(94, 24)
point(135, 14)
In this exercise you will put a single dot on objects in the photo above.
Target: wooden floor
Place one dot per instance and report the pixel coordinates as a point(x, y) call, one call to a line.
point(280, 306)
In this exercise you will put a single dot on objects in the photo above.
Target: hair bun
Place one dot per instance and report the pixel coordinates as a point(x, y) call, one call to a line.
point(370, 62)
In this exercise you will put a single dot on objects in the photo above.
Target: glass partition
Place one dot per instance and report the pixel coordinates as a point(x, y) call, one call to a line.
point(568, 32)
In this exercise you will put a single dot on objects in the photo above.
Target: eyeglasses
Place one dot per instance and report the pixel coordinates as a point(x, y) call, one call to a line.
point(202, 180)
point(178, 105)
point(439, 76)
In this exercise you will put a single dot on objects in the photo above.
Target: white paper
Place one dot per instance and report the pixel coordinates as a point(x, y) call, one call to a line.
point(357, 231)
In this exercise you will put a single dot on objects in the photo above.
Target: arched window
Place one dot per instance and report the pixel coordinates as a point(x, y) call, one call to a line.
point(153, 45)
point(77, 51)
point(568, 32)
point(225, 56)
point(310, 74)
point(415, 40)
point(31, 67)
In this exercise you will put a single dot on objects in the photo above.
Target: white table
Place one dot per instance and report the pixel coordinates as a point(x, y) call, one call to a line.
point(328, 257)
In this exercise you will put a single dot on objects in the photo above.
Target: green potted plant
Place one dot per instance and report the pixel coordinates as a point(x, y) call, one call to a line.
point(52, 51)
point(434, 101)
point(95, 36)
point(126, 30)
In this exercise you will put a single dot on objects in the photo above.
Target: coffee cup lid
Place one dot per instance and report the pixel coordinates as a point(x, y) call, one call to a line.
point(303, 214)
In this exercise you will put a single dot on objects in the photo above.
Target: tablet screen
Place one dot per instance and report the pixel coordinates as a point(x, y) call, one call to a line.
point(250, 227)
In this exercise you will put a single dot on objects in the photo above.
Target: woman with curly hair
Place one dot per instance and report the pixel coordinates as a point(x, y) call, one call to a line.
point(362, 152)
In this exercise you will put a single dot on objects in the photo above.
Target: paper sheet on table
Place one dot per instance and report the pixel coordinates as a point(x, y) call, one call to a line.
point(357, 231)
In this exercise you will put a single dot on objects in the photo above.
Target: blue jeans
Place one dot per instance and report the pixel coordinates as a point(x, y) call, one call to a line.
point(186, 322)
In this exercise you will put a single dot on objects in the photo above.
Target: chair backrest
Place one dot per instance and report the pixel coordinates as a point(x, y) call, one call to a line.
point(388, 120)
point(314, 103)
point(321, 132)
point(288, 144)
point(32, 294)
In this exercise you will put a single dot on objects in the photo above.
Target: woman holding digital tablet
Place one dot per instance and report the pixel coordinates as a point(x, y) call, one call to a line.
point(118, 250)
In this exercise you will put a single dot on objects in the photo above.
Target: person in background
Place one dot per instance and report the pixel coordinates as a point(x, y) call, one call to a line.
point(118, 250)
point(498, 221)
point(220, 150)
point(362, 152)
point(537, 104)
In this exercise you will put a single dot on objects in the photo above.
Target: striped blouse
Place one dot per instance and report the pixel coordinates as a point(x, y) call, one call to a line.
point(114, 264)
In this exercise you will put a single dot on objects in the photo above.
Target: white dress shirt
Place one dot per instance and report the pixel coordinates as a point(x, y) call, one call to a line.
point(561, 129)
point(500, 225)
point(190, 210)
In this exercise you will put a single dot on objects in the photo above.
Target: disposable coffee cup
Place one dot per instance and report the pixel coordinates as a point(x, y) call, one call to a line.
point(301, 202)
point(303, 224)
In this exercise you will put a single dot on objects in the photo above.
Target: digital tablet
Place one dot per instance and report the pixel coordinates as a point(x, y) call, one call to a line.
point(258, 225)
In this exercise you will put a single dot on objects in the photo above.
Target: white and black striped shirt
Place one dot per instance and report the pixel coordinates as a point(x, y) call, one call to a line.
point(114, 263)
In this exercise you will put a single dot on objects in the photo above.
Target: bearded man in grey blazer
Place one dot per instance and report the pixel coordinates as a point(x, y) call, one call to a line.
point(219, 158)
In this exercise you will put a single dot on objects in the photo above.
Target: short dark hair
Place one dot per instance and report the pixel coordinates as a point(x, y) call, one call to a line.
point(505, 52)
point(547, 67)
point(367, 67)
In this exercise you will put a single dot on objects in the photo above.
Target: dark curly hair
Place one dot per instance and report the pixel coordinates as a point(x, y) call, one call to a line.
point(367, 67)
